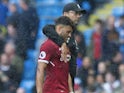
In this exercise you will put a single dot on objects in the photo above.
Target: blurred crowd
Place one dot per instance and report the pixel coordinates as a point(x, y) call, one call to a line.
point(100, 64)
point(18, 30)
point(101, 70)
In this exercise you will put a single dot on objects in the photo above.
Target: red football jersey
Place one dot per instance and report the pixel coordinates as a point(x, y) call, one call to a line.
point(56, 80)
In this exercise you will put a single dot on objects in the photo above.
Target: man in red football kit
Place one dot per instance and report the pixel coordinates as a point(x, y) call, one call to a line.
point(57, 78)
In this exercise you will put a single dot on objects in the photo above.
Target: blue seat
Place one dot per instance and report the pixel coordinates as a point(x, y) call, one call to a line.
point(27, 85)
point(31, 54)
point(86, 5)
point(28, 77)
point(43, 22)
point(117, 11)
point(29, 70)
point(47, 1)
point(52, 10)
point(14, 1)
point(68, 1)
point(87, 36)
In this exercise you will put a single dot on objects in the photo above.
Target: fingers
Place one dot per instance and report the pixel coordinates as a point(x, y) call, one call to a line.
point(64, 58)
point(65, 52)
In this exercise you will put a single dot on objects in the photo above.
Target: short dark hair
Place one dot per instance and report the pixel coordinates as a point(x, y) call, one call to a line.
point(27, 2)
point(64, 21)
point(99, 21)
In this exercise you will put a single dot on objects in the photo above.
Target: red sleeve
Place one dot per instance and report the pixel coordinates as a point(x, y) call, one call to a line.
point(46, 53)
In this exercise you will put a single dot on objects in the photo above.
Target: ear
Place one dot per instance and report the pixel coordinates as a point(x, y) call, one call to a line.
point(65, 14)
point(58, 28)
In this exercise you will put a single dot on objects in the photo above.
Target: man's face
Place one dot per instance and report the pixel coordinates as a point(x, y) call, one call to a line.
point(65, 31)
point(98, 27)
point(12, 8)
point(21, 3)
point(74, 16)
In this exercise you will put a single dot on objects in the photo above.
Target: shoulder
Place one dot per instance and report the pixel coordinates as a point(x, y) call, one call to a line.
point(48, 44)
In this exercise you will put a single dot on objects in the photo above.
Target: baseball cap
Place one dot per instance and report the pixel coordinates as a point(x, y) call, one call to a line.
point(73, 7)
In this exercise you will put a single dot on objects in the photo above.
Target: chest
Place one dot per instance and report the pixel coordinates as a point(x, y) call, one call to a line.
point(56, 60)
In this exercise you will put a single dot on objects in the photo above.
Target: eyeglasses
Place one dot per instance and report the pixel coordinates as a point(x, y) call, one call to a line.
point(76, 13)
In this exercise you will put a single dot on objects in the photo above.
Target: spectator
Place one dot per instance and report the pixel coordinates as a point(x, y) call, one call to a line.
point(27, 29)
point(111, 83)
point(96, 43)
point(15, 60)
point(121, 69)
point(99, 83)
point(102, 68)
point(91, 89)
point(96, 40)
point(83, 71)
point(2, 41)
point(8, 75)
point(13, 22)
point(79, 37)
point(12, 33)
point(120, 29)
point(120, 88)
point(110, 40)
point(13, 9)
point(91, 71)
point(91, 81)
point(114, 64)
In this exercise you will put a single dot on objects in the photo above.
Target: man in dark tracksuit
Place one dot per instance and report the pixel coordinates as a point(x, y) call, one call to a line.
point(74, 12)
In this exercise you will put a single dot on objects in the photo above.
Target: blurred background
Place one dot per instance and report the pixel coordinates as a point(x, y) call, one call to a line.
point(100, 62)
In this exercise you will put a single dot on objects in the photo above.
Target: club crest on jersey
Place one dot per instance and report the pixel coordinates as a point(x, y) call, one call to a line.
point(42, 54)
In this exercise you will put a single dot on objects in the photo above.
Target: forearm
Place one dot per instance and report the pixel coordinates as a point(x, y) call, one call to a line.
point(49, 31)
point(39, 80)
point(70, 83)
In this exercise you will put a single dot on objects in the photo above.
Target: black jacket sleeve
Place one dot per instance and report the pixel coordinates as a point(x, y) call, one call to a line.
point(49, 31)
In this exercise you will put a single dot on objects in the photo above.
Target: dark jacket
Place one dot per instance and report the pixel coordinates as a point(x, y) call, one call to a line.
point(27, 31)
point(110, 43)
point(13, 19)
point(10, 85)
point(29, 23)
